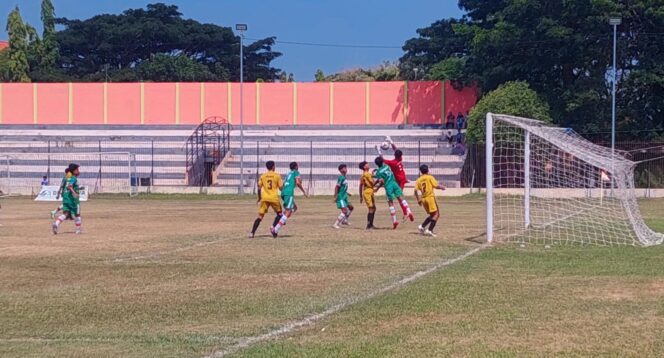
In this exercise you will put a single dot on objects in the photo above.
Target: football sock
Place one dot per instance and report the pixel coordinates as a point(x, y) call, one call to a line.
point(405, 207)
point(341, 218)
point(432, 225)
point(393, 213)
point(370, 219)
point(60, 219)
point(282, 222)
point(276, 220)
point(426, 222)
point(77, 222)
point(256, 223)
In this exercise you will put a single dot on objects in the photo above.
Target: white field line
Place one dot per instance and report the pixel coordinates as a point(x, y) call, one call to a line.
point(247, 342)
point(152, 255)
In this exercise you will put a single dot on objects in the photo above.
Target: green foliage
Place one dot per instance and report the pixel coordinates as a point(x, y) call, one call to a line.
point(514, 98)
point(49, 52)
point(19, 37)
point(562, 50)
point(319, 76)
point(123, 42)
point(448, 69)
point(386, 71)
point(162, 68)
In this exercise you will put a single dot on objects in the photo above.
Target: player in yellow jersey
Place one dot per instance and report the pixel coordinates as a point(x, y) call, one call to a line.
point(367, 193)
point(426, 184)
point(269, 186)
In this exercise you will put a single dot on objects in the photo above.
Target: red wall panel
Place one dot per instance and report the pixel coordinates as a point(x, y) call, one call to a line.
point(276, 103)
point(88, 103)
point(349, 103)
point(386, 100)
point(52, 103)
point(159, 103)
point(124, 103)
point(459, 100)
point(425, 102)
point(17, 103)
point(313, 103)
point(190, 103)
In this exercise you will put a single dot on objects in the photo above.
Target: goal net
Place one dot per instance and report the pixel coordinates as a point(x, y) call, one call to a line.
point(105, 172)
point(550, 185)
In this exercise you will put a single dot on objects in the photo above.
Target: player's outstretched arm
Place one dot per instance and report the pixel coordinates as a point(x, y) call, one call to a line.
point(298, 183)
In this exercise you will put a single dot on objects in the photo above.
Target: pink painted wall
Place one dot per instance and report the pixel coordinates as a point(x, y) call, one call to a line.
point(17, 103)
point(348, 103)
point(52, 103)
point(159, 103)
point(190, 103)
point(313, 103)
point(124, 103)
point(276, 106)
point(88, 103)
point(386, 102)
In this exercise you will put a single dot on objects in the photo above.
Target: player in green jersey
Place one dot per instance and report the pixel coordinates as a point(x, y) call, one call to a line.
point(341, 195)
point(288, 196)
point(71, 205)
point(61, 190)
point(385, 178)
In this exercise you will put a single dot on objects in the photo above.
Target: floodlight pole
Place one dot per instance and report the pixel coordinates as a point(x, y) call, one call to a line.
point(613, 22)
point(241, 28)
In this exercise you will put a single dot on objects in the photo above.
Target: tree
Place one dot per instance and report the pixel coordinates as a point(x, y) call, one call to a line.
point(162, 68)
point(50, 52)
point(19, 38)
point(449, 69)
point(319, 76)
point(122, 42)
point(386, 71)
point(513, 98)
point(561, 49)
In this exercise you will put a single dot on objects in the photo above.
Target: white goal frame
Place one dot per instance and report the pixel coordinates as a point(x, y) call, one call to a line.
point(121, 182)
point(582, 213)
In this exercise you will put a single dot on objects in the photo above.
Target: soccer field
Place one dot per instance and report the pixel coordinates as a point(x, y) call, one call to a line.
point(176, 276)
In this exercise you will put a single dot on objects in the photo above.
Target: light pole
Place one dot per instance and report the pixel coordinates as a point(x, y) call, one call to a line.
point(241, 28)
point(614, 21)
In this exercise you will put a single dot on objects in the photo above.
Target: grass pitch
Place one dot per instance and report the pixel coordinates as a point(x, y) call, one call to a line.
point(176, 276)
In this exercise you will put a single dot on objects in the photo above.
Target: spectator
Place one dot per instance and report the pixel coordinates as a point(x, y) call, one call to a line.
point(44, 181)
point(459, 149)
point(450, 138)
point(460, 120)
point(449, 121)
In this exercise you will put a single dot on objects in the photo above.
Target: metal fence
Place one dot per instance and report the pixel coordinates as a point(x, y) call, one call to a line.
point(152, 162)
point(649, 172)
point(319, 161)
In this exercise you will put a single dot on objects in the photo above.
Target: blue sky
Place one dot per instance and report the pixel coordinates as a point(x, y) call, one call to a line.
point(356, 22)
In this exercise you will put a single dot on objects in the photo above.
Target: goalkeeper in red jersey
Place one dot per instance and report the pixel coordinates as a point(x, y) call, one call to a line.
point(396, 165)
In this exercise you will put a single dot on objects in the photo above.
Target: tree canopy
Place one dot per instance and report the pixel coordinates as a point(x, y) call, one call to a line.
point(514, 98)
point(562, 50)
point(118, 45)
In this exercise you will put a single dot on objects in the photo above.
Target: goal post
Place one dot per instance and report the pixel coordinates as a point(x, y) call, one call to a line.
point(546, 184)
point(101, 172)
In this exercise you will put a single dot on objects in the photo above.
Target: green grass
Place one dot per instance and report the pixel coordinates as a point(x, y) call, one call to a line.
point(173, 276)
point(505, 302)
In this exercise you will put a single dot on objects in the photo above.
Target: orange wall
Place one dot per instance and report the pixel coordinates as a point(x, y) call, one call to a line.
point(338, 103)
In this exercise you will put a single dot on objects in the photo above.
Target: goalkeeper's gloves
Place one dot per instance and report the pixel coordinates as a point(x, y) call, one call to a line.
point(389, 139)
